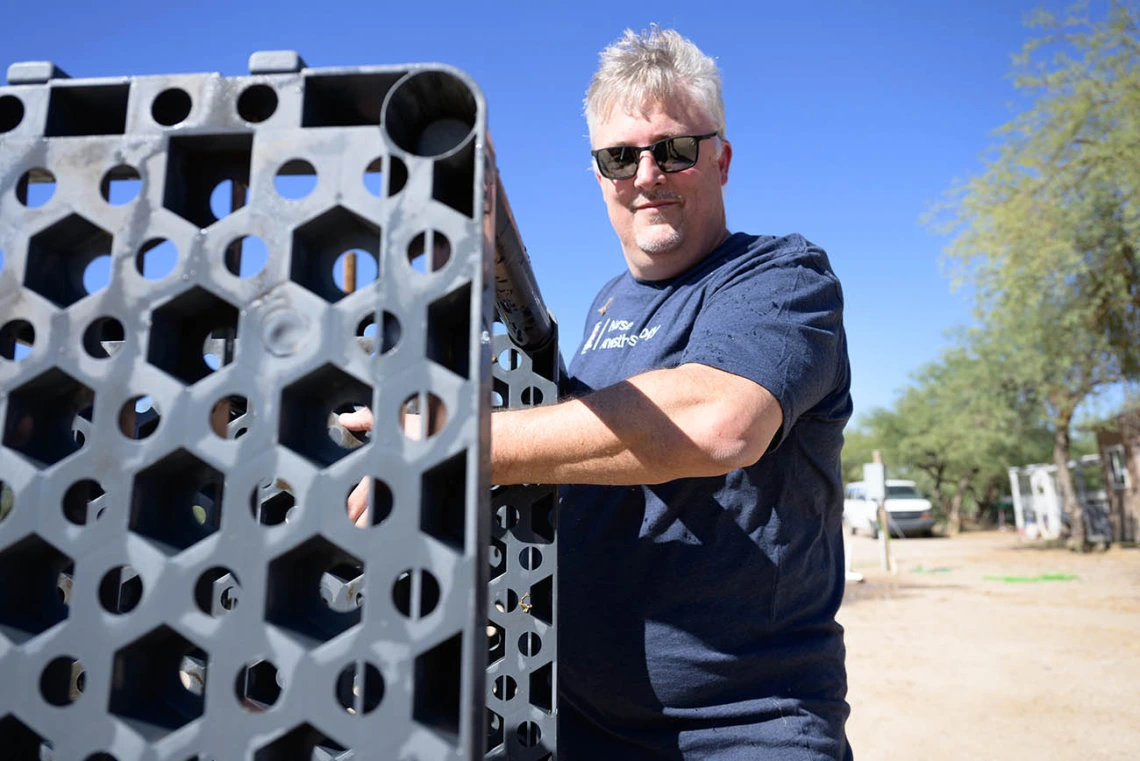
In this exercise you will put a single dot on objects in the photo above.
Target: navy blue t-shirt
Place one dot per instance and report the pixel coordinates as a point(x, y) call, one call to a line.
point(697, 617)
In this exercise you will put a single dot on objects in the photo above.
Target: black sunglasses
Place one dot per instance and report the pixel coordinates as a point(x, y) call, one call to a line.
point(673, 154)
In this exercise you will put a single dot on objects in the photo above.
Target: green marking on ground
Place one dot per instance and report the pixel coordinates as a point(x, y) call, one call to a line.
point(1032, 579)
point(941, 569)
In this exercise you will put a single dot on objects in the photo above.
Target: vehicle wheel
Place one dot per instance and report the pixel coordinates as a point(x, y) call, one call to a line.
point(851, 529)
point(874, 530)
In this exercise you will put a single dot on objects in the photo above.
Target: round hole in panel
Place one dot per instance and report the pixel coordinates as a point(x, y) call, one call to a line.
point(11, 113)
point(510, 359)
point(377, 500)
point(529, 734)
point(507, 517)
point(422, 416)
point(121, 185)
point(246, 256)
point(507, 601)
point(156, 259)
point(359, 688)
point(228, 196)
point(374, 176)
point(63, 680)
point(296, 179)
point(504, 688)
point(120, 590)
point(35, 187)
point(530, 558)
point(171, 107)
point(397, 175)
point(530, 644)
point(17, 337)
point(80, 502)
point(103, 338)
point(354, 269)
point(257, 103)
point(139, 417)
point(415, 593)
point(97, 274)
point(229, 415)
point(435, 242)
point(217, 591)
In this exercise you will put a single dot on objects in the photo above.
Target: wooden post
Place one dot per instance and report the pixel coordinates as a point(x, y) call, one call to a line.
point(884, 519)
point(350, 272)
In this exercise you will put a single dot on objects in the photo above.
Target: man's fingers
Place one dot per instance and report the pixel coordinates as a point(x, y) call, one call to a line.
point(360, 420)
point(358, 511)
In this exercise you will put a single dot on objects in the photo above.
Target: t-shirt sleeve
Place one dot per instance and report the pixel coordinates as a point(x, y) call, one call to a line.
point(778, 323)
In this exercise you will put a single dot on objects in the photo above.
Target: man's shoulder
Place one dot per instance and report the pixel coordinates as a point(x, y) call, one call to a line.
point(775, 249)
point(757, 260)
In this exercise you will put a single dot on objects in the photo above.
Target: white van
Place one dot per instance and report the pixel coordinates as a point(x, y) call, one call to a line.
point(910, 513)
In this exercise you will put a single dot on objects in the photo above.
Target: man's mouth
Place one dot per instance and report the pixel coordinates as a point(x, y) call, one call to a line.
point(650, 205)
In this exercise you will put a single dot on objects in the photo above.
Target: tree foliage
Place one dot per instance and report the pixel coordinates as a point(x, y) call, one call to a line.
point(1048, 233)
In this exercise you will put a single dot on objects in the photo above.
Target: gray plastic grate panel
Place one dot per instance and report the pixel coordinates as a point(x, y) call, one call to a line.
point(173, 486)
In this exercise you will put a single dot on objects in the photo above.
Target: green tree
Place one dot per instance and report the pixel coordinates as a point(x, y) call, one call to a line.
point(1047, 234)
point(962, 423)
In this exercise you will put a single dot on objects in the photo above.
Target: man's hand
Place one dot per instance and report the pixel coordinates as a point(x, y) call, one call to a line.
point(358, 503)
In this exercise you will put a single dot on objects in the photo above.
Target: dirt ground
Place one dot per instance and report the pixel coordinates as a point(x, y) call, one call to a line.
point(945, 663)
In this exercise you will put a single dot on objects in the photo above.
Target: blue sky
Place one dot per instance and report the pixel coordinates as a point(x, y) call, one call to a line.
point(848, 119)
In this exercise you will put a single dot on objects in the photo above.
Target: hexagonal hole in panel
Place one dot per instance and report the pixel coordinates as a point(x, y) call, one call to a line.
point(315, 590)
point(542, 687)
point(443, 501)
point(309, 406)
point(319, 243)
point(20, 742)
point(201, 167)
point(305, 743)
point(158, 682)
point(37, 589)
point(438, 679)
point(177, 502)
point(58, 260)
point(449, 331)
point(42, 417)
point(192, 335)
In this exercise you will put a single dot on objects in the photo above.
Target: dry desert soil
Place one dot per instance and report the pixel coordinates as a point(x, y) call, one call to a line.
point(988, 647)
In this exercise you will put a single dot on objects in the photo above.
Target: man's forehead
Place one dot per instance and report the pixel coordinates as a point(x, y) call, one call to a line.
point(662, 117)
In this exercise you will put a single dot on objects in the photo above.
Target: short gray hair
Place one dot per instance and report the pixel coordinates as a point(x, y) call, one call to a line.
point(655, 65)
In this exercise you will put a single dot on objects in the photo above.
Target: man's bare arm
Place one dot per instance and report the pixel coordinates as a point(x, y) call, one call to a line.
point(689, 421)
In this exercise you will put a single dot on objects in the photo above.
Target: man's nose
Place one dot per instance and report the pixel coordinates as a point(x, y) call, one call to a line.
point(648, 173)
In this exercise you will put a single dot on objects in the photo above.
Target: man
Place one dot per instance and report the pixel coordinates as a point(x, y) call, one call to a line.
point(700, 541)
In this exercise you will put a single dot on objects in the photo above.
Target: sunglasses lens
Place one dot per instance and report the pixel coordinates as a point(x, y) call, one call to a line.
point(676, 153)
point(618, 163)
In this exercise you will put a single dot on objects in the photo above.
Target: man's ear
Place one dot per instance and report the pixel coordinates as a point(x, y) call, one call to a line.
point(724, 160)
